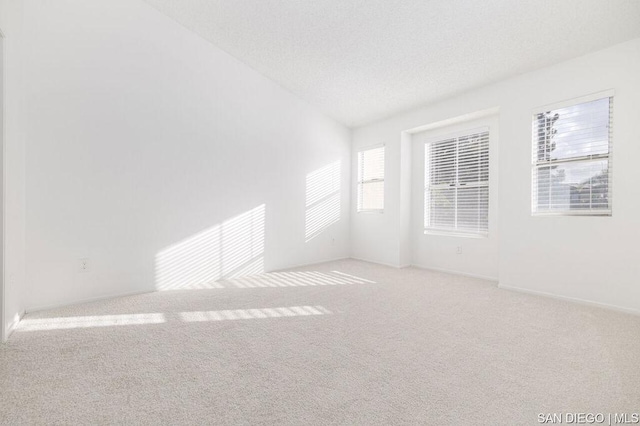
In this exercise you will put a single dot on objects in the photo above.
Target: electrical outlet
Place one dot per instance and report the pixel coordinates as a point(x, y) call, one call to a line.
point(459, 250)
point(83, 265)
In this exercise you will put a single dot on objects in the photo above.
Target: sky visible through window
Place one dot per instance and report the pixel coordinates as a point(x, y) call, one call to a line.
point(583, 130)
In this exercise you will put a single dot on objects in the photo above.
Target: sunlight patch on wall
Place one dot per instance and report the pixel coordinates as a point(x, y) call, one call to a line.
point(243, 314)
point(63, 323)
point(322, 199)
point(231, 249)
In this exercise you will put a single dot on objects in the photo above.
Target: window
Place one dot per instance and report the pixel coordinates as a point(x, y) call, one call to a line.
point(571, 167)
point(457, 184)
point(371, 180)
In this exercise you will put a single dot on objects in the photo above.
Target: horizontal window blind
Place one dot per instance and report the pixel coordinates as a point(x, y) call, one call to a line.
point(571, 163)
point(457, 184)
point(371, 179)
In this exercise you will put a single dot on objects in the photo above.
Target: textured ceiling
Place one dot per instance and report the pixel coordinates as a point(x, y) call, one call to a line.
point(361, 60)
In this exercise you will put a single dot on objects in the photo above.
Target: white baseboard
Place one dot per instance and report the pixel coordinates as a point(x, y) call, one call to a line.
point(451, 271)
point(10, 328)
point(38, 308)
point(302, 265)
point(379, 263)
point(571, 299)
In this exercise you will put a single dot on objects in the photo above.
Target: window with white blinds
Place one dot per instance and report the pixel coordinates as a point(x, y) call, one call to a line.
point(457, 184)
point(571, 162)
point(371, 180)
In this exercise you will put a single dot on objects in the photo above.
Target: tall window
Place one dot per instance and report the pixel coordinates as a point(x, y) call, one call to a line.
point(571, 159)
point(457, 184)
point(371, 180)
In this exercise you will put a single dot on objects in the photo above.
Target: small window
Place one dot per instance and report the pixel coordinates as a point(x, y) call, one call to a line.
point(571, 167)
point(371, 180)
point(457, 184)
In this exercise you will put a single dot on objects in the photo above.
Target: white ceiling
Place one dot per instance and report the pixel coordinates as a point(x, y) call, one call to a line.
point(361, 60)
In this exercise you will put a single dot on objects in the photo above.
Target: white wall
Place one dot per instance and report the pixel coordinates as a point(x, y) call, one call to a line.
point(14, 161)
point(588, 258)
point(142, 141)
point(146, 143)
point(2, 167)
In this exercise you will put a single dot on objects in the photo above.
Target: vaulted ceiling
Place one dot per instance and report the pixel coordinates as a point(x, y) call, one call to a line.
point(361, 60)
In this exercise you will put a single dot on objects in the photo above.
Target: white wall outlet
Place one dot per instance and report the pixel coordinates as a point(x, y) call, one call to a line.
point(459, 250)
point(83, 264)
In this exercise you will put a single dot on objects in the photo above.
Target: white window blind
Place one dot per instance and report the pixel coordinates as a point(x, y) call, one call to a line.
point(371, 180)
point(571, 164)
point(457, 184)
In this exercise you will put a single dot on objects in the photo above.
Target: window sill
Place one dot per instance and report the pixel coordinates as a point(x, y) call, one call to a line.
point(371, 211)
point(603, 213)
point(455, 234)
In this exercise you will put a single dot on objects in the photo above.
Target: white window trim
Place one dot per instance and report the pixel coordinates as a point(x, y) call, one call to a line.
point(535, 164)
point(364, 182)
point(574, 101)
point(486, 184)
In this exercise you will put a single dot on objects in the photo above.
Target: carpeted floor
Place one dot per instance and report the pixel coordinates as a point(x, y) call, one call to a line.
point(345, 342)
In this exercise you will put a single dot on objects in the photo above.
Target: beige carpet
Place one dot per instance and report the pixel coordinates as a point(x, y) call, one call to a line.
point(345, 342)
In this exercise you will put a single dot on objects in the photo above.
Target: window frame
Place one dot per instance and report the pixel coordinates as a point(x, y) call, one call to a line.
point(454, 232)
point(361, 183)
point(537, 164)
